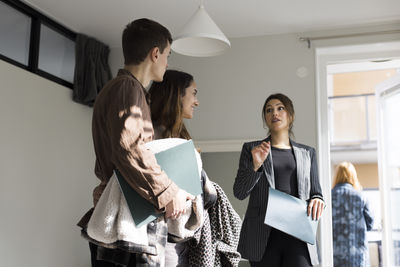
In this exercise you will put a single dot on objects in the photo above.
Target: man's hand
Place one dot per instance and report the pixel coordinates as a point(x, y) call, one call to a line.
point(176, 207)
point(259, 154)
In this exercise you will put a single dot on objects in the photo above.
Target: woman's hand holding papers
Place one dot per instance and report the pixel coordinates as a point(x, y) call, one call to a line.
point(315, 207)
point(260, 154)
point(177, 206)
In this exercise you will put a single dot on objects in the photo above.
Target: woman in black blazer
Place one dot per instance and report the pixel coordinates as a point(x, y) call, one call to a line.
point(280, 163)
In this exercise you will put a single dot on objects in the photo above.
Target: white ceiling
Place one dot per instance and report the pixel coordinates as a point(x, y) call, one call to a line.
point(105, 19)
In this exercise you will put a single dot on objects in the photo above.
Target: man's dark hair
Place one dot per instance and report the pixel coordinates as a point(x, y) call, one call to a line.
point(142, 35)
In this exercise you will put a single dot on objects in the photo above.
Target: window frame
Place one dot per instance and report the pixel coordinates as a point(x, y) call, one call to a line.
point(368, 142)
point(37, 19)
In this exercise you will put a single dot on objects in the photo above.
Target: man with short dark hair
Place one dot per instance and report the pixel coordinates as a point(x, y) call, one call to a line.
point(122, 125)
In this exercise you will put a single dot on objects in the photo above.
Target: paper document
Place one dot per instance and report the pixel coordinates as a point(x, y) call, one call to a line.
point(289, 215)
point(179, 162)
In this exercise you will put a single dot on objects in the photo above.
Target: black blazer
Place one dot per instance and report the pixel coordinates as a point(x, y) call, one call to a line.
point(254, 233)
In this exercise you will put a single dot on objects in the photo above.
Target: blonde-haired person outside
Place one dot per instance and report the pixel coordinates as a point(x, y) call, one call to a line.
point(351, 219)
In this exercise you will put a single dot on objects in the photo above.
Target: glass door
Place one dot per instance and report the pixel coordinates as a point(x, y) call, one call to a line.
point(388, 122)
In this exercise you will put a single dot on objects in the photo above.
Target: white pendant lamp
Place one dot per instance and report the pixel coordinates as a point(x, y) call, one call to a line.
point(200, 37)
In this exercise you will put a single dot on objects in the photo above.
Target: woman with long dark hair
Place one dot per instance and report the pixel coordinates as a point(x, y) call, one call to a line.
point(280, 163)
point(172, 101)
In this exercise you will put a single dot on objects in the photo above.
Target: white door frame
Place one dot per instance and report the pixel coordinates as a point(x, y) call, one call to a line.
point(385, 87)
point(325, 56)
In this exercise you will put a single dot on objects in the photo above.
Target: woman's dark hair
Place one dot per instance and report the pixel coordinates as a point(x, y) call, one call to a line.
point(142, 35)
point(166, 103)
point(288, 106)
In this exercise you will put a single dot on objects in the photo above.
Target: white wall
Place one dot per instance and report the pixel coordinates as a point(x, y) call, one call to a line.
point(46, 164)
point(233, 86)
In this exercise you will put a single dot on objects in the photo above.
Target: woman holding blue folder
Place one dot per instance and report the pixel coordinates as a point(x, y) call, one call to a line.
point(285, 165)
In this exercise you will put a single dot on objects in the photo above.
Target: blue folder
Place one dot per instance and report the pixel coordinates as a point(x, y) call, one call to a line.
point(180, 164)
point(289, 215)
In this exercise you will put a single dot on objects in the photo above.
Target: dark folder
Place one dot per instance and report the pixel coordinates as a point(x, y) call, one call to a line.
point(180, 164)
point(289, 215)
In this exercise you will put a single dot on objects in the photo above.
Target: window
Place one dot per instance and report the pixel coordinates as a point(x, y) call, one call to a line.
point(36, 43)
point(56, 54)
point(15, 30)
point(352, 107)
point(352, 119)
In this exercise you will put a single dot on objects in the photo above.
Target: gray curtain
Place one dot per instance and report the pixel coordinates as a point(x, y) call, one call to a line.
point(92, 71)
